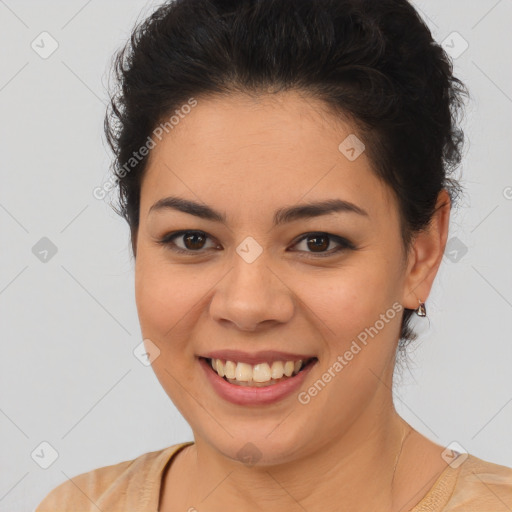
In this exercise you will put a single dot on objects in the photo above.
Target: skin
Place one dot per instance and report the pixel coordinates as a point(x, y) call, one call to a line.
point(246, 157)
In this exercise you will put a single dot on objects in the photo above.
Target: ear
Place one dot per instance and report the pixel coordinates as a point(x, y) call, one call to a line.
point(426, 254)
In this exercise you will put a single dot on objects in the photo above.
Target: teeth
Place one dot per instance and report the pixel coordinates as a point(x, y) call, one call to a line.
point(220, 367)
point(243, 372)
point(230, 370)
point(247, 374)
point(288, 368)
point(261, 372)
point(277, 370)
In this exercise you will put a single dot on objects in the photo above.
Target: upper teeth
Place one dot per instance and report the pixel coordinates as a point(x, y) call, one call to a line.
point(262, 372)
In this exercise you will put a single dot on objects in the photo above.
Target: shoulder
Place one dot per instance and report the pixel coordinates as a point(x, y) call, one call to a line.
point(127, 482)
point(481, 486)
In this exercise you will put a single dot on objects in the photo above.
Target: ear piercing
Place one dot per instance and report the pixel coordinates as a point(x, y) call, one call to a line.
point(421, 311)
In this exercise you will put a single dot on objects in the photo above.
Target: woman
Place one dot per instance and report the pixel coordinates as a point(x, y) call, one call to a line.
point(284, 168)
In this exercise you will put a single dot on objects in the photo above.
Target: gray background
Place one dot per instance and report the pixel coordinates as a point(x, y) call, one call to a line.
point(69, 324)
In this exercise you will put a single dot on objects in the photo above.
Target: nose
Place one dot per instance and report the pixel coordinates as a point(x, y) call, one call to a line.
point(252, 296)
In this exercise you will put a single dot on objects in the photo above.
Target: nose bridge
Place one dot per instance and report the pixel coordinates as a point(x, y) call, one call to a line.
point(251, 293)
point(251, 271)
point(250, 250)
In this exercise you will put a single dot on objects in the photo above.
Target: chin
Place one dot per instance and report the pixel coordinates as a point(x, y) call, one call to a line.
point(256, 447)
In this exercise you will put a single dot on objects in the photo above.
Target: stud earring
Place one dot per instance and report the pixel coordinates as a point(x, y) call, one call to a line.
point(421, 311)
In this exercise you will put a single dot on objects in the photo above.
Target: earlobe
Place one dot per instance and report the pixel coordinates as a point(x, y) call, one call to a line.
point(427, 253)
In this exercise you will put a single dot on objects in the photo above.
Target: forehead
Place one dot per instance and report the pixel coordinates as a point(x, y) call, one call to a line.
point(261, 151)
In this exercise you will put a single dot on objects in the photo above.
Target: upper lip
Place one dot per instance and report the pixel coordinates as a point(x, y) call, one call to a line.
point(264, 356)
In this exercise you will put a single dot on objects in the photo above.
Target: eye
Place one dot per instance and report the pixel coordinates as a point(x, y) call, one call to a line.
point(321, 241)
point(194, 241)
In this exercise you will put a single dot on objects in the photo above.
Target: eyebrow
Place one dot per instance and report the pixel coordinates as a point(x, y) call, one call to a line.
point(281, 216)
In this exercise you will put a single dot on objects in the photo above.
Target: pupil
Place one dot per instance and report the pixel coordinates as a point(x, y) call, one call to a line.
point(317, 245)
point(193, 235)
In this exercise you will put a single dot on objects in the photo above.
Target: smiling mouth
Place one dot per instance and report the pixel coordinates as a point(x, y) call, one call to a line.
point(257, 375)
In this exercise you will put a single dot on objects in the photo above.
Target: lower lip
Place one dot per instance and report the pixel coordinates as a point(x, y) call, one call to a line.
point(246, 395)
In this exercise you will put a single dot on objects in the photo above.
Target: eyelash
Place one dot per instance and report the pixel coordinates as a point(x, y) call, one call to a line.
point(345, 244)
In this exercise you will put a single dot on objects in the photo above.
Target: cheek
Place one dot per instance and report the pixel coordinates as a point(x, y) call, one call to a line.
point(165, 297)
point(165, 301)
point(351, 298)
point(359, 342)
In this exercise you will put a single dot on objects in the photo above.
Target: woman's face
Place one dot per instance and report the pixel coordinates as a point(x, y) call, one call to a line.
point(253, 285)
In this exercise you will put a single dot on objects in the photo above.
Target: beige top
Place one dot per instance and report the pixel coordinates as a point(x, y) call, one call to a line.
point(134, 486)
